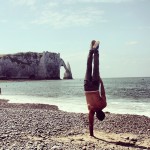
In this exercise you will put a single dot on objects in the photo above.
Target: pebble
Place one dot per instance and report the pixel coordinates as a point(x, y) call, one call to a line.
point(27, 127)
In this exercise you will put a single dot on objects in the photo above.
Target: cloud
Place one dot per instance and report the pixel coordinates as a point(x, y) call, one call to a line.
point(66, 19)
point(23, 2)
point(132, 43)
point(115, 1)
point(31, 4)
point(98, 1)
point(60, 15)
point(68, 13)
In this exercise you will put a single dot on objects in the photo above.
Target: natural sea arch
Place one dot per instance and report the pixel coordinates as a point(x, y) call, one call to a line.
point(63, 67)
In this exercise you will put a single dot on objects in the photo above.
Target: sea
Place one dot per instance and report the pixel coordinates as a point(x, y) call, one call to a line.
point(124, 95)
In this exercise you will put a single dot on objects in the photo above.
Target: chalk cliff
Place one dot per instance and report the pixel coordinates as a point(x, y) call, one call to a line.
point(33, 65)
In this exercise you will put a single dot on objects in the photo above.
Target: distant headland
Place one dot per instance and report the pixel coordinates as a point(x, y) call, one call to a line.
point(33, 66)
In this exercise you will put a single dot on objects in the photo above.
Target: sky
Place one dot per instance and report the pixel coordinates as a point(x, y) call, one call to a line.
point(68, 26)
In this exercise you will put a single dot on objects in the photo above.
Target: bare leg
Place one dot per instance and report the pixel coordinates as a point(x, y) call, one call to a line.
point(91, 122)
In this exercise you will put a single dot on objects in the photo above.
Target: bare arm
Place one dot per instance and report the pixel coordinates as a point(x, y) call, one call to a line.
point(91, 121)
point(102, 89)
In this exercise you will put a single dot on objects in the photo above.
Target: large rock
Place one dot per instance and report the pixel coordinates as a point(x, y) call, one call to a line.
point(31, 65)
point(68, 74)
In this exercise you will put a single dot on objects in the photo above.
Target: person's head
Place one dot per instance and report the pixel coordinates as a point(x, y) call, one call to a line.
point(100, 115)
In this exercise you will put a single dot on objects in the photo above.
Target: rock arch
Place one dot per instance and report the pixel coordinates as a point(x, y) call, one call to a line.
point(68, 73)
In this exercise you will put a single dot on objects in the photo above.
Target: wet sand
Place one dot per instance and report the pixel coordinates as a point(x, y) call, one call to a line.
point(40, 126)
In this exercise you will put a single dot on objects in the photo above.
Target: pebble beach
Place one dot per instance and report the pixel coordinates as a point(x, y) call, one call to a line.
point(45, 127)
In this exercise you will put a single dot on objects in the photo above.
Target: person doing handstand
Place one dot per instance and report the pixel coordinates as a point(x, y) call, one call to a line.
point(93, 87)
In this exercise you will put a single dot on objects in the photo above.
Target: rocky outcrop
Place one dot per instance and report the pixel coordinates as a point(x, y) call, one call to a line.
point(68, 74)
point(32, 65)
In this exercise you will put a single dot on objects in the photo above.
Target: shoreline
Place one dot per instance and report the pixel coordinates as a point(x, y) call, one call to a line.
point(27, 126)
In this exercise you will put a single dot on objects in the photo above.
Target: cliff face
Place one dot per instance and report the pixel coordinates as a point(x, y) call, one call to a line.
point(31, 65)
